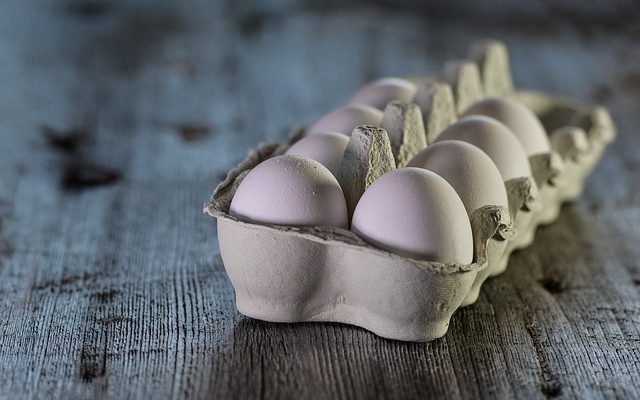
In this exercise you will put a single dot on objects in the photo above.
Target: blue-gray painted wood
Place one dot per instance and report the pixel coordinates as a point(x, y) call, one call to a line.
point(117, 119)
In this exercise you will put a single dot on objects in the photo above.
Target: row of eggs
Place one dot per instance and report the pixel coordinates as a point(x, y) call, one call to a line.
point(421, 210)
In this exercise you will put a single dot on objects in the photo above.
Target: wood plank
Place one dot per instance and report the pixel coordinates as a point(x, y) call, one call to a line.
point(110, 278)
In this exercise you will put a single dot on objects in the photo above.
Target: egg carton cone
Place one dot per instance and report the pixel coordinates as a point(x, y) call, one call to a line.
point(302, 274)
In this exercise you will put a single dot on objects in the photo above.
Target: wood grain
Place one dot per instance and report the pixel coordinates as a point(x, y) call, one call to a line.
point(117, 119)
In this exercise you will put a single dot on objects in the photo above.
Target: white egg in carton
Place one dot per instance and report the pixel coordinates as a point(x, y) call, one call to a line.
point(284, 273)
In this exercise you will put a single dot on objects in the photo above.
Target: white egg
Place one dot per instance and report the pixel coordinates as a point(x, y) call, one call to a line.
point(345, 119)
point(415, 213)
point(468, 170)
point(495, 139)
point(380, 92)
point(522, 121)
point(326, 147)
point(290, 190)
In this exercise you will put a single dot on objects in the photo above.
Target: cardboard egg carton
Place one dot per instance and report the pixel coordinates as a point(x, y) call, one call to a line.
point(295, 274)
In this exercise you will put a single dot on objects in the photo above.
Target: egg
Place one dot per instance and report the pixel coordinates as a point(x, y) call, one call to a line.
point(495, 139)
point(290, 190)
point(522, 121)
point(470, 172)
point(345, 119)
point(415, 213)
point(380, 92)
point(326, 147)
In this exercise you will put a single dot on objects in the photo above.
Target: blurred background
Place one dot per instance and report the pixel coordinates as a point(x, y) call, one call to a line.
point(118, 118)
point(191, 80)
point(243, 71)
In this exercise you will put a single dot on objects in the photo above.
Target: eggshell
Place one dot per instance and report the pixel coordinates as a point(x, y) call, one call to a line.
point(380, 92)
point(290, 190)
point(345, 119)
point(468, 170)
point(415, 213)
point(495, 139)
point(522, 121)
point(327, 148)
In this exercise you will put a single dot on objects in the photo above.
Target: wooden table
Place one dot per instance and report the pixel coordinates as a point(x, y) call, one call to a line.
point(117, 119)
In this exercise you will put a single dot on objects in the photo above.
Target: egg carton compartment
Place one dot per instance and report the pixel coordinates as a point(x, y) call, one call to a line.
point(301, 274)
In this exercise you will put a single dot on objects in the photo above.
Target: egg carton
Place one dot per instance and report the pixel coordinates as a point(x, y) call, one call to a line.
point(301, 274)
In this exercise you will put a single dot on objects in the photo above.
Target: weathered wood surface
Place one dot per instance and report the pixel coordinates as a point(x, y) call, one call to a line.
point(117, 120)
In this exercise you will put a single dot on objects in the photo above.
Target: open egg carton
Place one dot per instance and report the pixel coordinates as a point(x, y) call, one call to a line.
point(297, 274)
